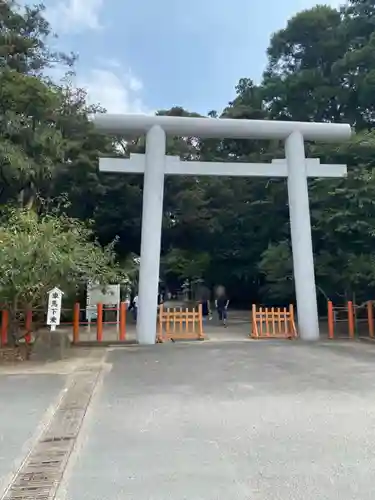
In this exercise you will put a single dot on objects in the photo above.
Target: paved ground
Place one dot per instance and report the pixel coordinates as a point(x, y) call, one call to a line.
point(24, 403)
point(244, 420)
point(239, 328)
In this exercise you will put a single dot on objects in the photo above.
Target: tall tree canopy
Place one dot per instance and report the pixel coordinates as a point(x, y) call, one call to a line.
point(321, 66)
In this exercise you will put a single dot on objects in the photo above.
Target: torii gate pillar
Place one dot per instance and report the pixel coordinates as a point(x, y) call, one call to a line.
point(293, 133)
point(300, 230)
point(152, 218)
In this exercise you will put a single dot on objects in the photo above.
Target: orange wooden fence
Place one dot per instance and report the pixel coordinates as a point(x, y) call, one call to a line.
point(178, 323)
point(26, 325)
point(101, 324)
point(273, 322)
point(347, 320)
point(75, 323)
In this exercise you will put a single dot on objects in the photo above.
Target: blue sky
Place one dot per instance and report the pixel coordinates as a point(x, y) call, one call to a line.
point(143, 55)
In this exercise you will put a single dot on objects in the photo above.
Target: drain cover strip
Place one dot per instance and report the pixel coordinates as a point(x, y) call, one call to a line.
point(41, 473)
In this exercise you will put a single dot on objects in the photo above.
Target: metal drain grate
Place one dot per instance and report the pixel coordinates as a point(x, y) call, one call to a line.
point(40, 475)
point(65, 425)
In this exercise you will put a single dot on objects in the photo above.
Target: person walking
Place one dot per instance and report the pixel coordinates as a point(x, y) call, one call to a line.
point(204, 302)
point(206, 309)
point(135, 307)
point(221, 304)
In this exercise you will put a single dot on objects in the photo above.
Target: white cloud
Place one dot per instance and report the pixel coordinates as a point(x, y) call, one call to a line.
point(133, 82)
point(117, 92)
point(108, 85)
point(73, 15)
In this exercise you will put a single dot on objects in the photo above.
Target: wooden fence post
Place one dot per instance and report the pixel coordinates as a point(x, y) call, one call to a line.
point(254, 326)
point(351, 319)
point(99, 323)
point(331, 323)
point(76, 312)
point(159, 336)
point(200, 319)
point(370, 318)
point(4, 327)
point(122, 333)
point(28, 325)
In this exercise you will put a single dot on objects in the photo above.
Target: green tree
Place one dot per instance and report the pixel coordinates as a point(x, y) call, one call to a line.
point(299, 82)
point(343, 227)
point(25, 37)
point(321, 68)
point(231, 231)
point(185, 265)
point(30, 142)
point(39, 253)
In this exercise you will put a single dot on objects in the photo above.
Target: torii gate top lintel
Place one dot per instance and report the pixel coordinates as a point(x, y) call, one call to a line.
point(220, 127)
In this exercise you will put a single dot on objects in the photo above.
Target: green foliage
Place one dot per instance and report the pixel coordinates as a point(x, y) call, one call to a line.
point(38, 253)
point(186, 265)
point(24, 39)
point(235, 232)
point(30, 143)
point(280, 277)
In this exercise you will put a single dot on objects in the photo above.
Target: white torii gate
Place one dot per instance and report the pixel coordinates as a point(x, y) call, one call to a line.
point(155, 164)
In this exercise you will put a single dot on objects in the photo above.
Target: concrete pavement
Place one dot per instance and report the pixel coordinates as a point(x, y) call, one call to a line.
point(31, 396)
point(26, 405)
point(245, 420)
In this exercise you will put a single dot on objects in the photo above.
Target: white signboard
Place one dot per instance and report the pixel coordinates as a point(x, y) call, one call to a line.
point(110, 296)
point(54, 307)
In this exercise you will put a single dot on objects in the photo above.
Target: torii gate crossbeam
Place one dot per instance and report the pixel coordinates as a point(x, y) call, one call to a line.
point(157, 164)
